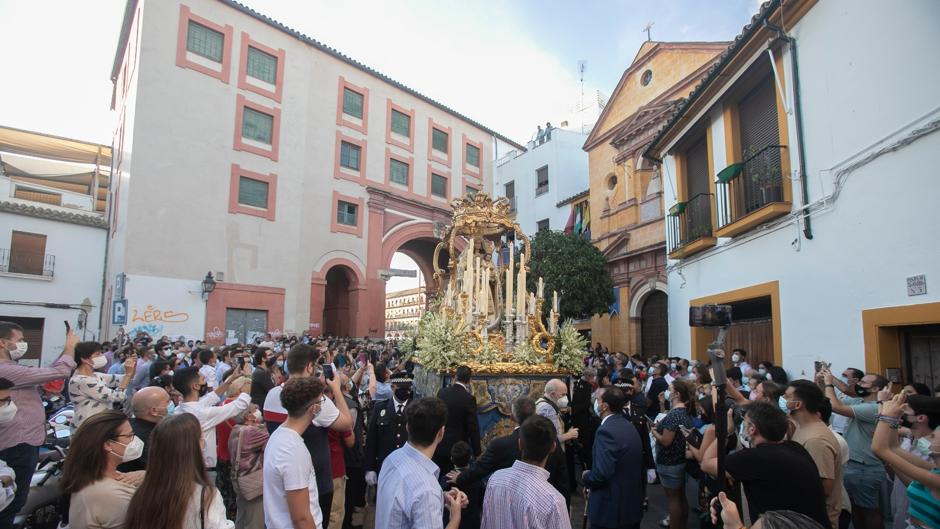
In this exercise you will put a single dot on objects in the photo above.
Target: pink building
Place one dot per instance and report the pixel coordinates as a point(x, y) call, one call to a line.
point(288, 170)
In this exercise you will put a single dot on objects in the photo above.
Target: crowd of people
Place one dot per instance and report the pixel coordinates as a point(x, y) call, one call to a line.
point(304, 432)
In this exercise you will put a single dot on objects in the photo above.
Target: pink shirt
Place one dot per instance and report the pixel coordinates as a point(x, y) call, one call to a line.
point(29, 424)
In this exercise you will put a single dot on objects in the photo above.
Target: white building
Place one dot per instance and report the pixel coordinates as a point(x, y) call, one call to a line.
point(53, 234)
point(403, 310)
point(536, 180)
point(824, 237)
point(288, 170)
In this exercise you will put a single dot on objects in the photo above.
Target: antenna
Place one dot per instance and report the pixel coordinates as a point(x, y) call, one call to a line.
point(647, 28)
point(582, 67)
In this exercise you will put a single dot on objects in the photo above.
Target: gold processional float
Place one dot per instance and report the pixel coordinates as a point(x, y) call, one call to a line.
point(485, 317)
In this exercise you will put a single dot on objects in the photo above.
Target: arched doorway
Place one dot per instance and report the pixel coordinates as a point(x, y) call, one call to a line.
point(338, 315)
point(654, 325)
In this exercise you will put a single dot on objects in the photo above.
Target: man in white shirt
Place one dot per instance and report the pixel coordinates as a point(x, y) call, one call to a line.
point(291, 500)
point(208, 360)
point(202, 403)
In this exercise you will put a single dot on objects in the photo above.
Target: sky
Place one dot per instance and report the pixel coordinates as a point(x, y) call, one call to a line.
point(509, 64)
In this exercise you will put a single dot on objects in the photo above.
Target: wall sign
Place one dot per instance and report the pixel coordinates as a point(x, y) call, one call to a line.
point(119, 312)
point(917, 285)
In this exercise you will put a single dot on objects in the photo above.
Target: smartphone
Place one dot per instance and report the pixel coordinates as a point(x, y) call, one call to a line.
point(68, 328)
point(820, 365)
point(692, 436)
point(241, 361)
point(328, 372)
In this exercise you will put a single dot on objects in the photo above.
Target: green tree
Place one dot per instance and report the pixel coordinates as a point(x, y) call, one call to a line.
point(576, 269)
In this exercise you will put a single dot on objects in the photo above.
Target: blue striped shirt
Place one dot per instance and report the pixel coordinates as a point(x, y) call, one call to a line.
point(409, 495)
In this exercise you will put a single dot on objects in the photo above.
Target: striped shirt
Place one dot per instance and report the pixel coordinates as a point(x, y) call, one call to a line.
point(520, 497)
point(409, 495)
point(923, 508)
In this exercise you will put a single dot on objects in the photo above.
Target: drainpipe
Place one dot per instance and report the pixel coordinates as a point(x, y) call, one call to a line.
point(798, 119)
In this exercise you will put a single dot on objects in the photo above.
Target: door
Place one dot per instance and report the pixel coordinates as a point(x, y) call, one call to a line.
point(243, 325)
point(654, 325)
point(921, 346)
point(27, 253)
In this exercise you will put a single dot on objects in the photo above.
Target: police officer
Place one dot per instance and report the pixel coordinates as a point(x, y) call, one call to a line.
point(582, 417)
point(635, 412)
point(387, 430)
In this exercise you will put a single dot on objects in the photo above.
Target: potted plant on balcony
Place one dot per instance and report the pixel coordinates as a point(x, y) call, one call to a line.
point(763, 170)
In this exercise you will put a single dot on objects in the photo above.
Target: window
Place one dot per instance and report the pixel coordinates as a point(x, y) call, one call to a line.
point(510, 192)
point(252, 192)
point(646, 78)
point(349, 156)
point(543, 225)
point(205, 42)
point(473, 155)
point(757, 113)
point(346, 213)
point(541, 181)
point(439, 140)
point(262, 66)
point(438, 185)
point(352, 103)
point(245, 324)
point(27, 254)
point(398, 172)
point(471, 191)
point(401, 123)
point(257, 126)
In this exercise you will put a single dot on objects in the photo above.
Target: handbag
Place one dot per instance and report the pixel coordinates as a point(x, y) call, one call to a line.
point(249, 484)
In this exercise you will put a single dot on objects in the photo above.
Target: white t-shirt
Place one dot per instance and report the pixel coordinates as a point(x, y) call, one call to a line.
point(208, 373)
point(287, 467)
point(275, 412)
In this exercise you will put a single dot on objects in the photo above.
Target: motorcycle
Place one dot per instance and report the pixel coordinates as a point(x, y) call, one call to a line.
point(46, 507)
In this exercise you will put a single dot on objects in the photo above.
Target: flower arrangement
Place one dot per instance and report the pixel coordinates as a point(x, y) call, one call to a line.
point(569, 354)
point(440, 343)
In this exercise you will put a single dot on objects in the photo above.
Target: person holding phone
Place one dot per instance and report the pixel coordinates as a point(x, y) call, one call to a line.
point(94, 392)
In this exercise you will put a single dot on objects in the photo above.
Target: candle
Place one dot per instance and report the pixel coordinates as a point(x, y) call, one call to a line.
point(520, 287)
point(509, 299)
point(532, 304)
point(486, 291)
point(555, 300)
point(541, 288)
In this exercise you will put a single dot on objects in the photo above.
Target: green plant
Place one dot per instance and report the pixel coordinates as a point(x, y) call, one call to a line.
point(576, 269)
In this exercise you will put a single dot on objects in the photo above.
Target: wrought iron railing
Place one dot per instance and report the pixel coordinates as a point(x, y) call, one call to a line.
point(689, 221)
point(747, 186)
point(27, 263)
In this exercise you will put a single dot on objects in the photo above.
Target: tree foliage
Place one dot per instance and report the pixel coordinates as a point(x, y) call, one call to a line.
point(576, 269)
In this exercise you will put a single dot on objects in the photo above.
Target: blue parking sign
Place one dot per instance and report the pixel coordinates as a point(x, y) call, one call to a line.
point(119, 312)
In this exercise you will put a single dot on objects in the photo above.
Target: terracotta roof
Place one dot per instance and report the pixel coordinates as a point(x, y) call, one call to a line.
point(574, 198)
point(85, 219)
point(129, 16)
point(766, 9)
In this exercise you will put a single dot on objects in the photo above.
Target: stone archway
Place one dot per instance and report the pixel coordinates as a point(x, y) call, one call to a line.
point(336, 290)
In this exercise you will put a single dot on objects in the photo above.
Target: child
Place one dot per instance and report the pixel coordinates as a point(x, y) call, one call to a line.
point(460, 457)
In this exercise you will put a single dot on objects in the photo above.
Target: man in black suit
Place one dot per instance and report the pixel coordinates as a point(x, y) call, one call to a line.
point(615, 500)
point(462, 423)
point(502, 452)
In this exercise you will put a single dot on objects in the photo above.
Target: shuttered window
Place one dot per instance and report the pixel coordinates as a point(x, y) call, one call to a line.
point(401, 123)
point(398, 172)
point(349, 156)
point(352, 103)
point(252, 192)
point(439, 140)
point(257, 126)
point(205, 42)
point(757, 112)
point(262, 66)
point(439, 185)
point(473, 155)
point(346, 213)
point(696, 169)
point(27, 253)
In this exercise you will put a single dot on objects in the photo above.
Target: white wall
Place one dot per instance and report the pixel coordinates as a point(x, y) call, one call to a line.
point(165, 306)
point(78, 274)
point(862, 81)
point(567, 175)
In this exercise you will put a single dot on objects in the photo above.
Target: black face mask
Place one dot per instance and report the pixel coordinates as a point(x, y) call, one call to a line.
point(862, 391)
point(403, 394)
point(905, 422)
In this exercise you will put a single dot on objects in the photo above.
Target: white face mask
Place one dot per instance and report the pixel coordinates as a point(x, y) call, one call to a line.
point(562, 402)
point(7, 413)
point(99, 362)
point(743, 437)
point(132, 450)
point(735, 358)
point(21, 348)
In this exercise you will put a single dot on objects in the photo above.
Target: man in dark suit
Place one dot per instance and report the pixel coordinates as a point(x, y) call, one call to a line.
point(502, 452)
point(462, 423)
point(615, 500)
point(581, 416)
point(387, 429)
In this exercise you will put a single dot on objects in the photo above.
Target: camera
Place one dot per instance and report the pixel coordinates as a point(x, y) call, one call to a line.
point(710, 316)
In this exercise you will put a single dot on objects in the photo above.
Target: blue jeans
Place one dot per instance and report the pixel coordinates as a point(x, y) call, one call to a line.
point(863, 483)
point(22, 458)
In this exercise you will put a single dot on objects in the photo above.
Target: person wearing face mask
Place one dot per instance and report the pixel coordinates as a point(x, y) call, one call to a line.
point(203, 404)
point(806, 403)
point(550, 406)
point(918, 424)
point(94, 392)
point(262, 379)
point(923, 477)
point(7, 475)
point(246, 445)
point(657, 385)
point(387, 431)
point(150, 406)
point(864, 474)
point(21, 436)
point(739, 360)
point(178, 493)
point(670, 449)
point(100, 492)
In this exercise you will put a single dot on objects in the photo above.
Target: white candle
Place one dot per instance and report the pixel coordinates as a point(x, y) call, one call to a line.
point(541, 288)
point(532, 304)
point(520, 304)
point(486, 291)
point(555, 300)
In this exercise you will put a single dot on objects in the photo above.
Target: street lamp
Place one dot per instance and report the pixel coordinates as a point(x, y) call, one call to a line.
point(208, 285)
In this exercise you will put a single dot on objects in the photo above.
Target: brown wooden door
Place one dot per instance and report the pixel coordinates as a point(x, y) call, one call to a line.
point(27, 252)
point(654, 325)
point(754, 336)
point(922, 345)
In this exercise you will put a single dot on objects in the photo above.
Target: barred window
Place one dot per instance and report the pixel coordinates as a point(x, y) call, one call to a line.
point(439, 140)
point(401, 123)
point(204, 41)
point(349, 156)
point(473, 155)
point(398, 172)
point(439, 185)
point(262, 66)
point(257, 126)
point(252, 192)
point(352, 103)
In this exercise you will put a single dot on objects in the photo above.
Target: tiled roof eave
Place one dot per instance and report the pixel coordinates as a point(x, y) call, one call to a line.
point(93, 221)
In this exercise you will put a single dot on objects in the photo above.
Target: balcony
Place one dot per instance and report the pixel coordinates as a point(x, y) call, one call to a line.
point(689, 227)
point(27, 263)
point(752, 192)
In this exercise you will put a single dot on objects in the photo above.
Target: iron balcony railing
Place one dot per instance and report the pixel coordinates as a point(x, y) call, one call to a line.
point(747, 186)
point(689, 221)
point(27, 263)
